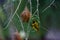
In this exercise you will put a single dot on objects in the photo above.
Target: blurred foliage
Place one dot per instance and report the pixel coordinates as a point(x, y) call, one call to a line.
point(47, 18)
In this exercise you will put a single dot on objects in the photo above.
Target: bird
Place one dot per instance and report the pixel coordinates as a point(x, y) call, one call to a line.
point(35, 25)
point(25, 15)
point(17, 36)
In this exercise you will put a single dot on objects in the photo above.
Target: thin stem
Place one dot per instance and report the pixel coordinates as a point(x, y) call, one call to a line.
point(48, 6)
point(38, 8)
point(12, 15)
point(30, 7)
point(20, 22)
point(28, 31)
point(34, 12)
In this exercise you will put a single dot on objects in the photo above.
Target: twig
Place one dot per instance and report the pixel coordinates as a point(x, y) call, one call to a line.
point(12, 15)
point(20, 22)
point(28, 31)
point(48, 6)
point(34, 12)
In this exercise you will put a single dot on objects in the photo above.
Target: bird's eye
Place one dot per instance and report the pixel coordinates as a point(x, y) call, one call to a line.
point(33, 21)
